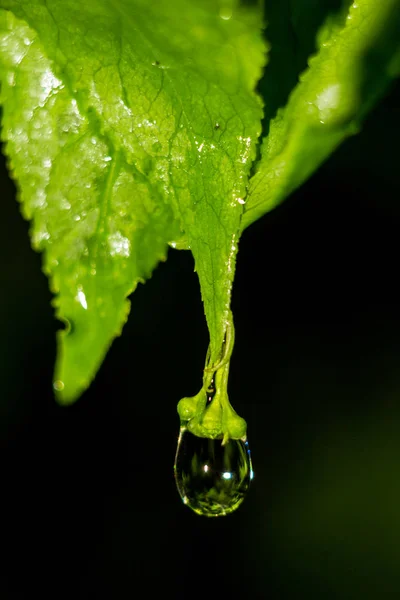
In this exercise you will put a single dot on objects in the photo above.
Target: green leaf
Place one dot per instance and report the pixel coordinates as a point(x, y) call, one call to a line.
point(129, 125)
point(358, 57)
point(291, 30)
point(101, 224)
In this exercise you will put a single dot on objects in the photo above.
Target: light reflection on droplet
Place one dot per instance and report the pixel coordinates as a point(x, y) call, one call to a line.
point(246, 146)
point(49, 83)
point(119, 245)
point(81, 298)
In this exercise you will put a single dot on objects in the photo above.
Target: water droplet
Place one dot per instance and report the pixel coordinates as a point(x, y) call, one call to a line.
point(225, 13)
point(212, 479)
point(180, 244)
point(58, 385)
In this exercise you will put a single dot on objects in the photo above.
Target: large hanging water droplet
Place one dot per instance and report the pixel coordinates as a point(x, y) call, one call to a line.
point(212, 479)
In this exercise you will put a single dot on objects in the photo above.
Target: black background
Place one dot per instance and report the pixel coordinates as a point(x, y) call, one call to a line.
point(88, 500)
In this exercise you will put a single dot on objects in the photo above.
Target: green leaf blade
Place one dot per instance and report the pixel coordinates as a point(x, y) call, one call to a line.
point(164, 98)
point(101, 228)
point(353, 67)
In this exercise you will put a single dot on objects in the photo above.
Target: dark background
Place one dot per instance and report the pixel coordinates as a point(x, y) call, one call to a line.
point(88, 500)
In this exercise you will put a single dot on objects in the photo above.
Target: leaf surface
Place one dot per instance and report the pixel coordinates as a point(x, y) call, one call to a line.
point(129, 125)
point(358, 56)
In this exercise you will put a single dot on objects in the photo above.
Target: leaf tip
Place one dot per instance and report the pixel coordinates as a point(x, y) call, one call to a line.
point(58, 387)
point(66, 395)
point(69, 381)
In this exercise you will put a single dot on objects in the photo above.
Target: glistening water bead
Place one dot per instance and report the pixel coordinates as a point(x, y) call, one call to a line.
point(212, 478)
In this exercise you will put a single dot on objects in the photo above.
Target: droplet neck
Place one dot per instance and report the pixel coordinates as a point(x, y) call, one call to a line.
point(209, 414)
point(217, 418)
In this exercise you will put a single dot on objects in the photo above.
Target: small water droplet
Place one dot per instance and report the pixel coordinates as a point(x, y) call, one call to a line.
point(58, 385)
point(180, 244)
point(212, 479)
point(225, 13)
